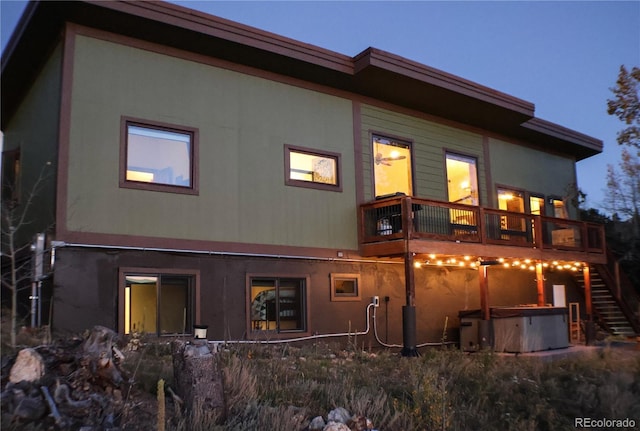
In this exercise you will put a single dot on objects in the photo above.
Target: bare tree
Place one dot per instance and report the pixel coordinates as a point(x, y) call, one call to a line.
point(15, 219)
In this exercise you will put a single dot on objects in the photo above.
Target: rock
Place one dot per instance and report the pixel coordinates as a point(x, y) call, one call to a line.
point(360, 423)
point(317, 423)
point(336, 426)
point(29, 366)
point(340, 415)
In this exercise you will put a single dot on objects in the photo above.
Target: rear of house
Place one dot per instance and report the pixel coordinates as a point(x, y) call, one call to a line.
point(205, 172)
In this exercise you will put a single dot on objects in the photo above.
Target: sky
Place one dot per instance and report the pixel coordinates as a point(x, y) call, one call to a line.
point(562, 56)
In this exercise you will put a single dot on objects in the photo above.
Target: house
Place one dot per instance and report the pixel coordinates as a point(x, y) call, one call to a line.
point(199, 171)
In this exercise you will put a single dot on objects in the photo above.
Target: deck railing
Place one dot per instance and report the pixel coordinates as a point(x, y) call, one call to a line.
point(407, 217)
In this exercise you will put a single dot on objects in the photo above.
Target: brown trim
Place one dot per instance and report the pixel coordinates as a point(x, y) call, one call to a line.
point(336, 297)
point(122, 271)
point(201, 246)
point(194, 161)
point(312, 184)
point(64, 133)
point(259, 335)
point(488, 174)
point(358, 160)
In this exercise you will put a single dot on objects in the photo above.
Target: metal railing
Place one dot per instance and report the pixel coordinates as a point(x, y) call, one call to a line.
point(405, 217)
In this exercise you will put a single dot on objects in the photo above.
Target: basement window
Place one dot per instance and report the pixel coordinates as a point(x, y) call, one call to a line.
point(160, 303)
point(345, 287)
point(278, 304)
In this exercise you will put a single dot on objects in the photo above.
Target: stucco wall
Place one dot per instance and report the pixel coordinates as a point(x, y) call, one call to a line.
point(87, 292)
point(244, 122)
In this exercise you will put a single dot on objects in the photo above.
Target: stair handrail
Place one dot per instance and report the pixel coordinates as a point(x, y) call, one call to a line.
point(621, 289)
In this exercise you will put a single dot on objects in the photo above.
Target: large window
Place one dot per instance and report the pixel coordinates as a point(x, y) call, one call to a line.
point(314, 169)
point(277, 304)
point(158, 157)
point(391, 166)
point(158, 303)
point(462, 179)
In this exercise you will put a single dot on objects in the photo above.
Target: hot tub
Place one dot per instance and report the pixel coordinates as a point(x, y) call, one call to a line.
point(518, 329)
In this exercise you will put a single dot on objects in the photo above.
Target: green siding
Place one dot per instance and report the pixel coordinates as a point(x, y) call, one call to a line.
point(430, 140)
point(532, 170)
point(34, 129)
point(244, 122)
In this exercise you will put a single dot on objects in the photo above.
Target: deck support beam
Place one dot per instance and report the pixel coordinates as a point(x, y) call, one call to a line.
point(409, 310)
point(540, 284)
point(589, 333)
point(484, 325)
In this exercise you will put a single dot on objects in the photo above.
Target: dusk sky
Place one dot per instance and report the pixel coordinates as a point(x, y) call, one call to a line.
point(562, 56)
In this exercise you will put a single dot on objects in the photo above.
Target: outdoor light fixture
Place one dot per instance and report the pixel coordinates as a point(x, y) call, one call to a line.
point(473, 262)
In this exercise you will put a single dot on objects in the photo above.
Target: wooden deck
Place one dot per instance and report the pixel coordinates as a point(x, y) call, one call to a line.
point(398, 225)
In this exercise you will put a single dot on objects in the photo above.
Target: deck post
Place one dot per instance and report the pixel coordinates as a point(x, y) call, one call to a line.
point(484, 325)
point(409, 310)
point(540, 283)
point(589, 333)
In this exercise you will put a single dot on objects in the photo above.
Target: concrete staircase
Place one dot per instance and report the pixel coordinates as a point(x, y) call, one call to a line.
point(606, 307)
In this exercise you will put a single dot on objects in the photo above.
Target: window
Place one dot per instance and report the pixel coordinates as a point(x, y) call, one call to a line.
point(278, 304)
point(158, 303)
point(510, 200)
point(345, 287)
point(559, 208)
point(313, 169)
point(513, 201)
point(391, 166)
point(11, 176)
point(462, 179)
point(536, 205)
point(158, 157)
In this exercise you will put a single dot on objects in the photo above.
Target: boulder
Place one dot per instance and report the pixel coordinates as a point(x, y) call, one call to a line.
point(29, 366)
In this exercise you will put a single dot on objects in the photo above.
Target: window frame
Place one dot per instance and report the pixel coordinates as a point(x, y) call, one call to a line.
point(337, 297)
point(408, 143)
point(193, 189)
point(552, 199)
point(278, 333)
point(337, 157)
point(462, 157)
point(123, 272)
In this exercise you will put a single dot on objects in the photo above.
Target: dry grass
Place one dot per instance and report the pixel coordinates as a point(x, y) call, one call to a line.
point(284, 388)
